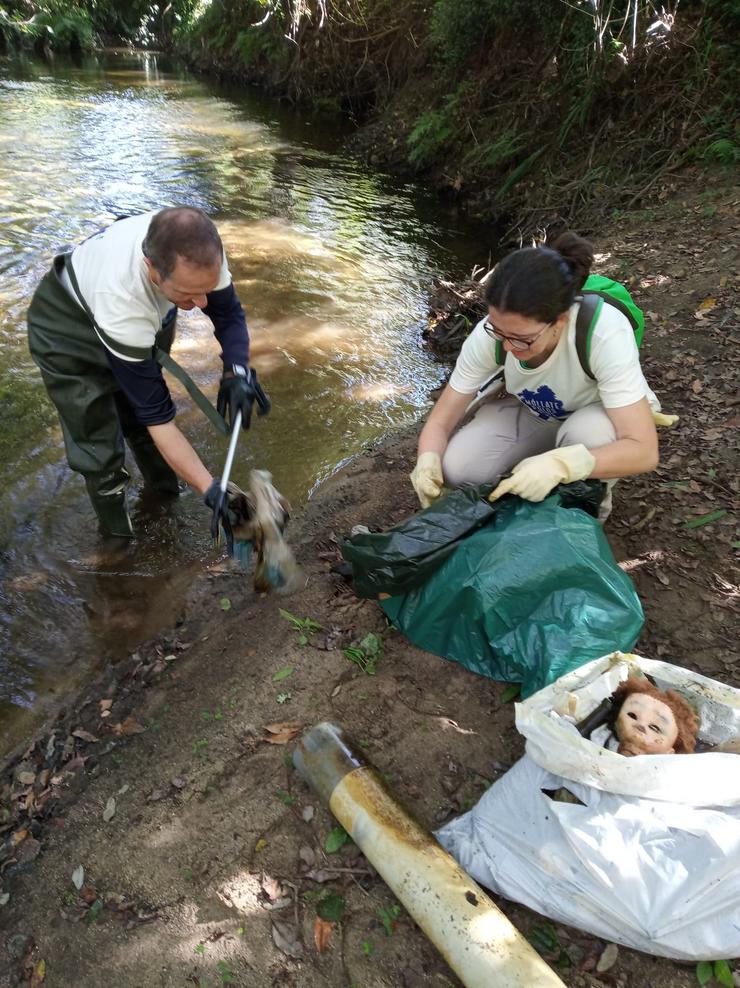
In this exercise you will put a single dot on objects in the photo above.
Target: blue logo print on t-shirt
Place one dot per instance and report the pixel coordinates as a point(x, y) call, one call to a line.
point(544, 402)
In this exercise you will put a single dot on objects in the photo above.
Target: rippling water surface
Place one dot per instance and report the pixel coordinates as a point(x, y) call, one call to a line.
point(331, 262)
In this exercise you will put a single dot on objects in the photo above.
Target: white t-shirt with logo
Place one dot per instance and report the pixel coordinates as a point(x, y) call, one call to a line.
point(560, 386)
point(115, 283)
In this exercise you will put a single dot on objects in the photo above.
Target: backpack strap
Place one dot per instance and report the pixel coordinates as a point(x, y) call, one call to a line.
point(588, 315)
point(500, 355)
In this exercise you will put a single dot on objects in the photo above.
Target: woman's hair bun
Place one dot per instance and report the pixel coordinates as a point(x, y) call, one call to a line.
point(577, 252)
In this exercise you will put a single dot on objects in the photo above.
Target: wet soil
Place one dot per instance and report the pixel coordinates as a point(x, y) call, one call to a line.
point(210, 864)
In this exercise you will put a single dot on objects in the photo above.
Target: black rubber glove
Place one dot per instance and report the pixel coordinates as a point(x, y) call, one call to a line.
point(238, 392)
point(218, 501)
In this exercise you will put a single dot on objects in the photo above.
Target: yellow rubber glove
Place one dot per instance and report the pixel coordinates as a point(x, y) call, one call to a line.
point(665, 420)
point(427, 478)
point(535, 477)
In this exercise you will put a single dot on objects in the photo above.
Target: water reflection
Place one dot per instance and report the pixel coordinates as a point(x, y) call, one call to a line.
point(331, 265)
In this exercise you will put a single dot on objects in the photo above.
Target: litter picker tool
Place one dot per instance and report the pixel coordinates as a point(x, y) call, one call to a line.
point(220, 520)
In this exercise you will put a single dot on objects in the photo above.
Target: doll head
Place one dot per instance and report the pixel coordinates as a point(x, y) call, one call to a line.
point(649, 721)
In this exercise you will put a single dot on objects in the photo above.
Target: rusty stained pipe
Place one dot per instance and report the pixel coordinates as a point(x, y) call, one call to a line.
point(472, 934)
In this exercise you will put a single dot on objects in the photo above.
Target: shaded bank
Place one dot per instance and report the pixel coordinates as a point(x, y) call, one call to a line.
point(530, 113)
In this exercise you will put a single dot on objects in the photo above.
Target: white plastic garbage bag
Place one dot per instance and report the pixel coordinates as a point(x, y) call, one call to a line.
point(649, 856)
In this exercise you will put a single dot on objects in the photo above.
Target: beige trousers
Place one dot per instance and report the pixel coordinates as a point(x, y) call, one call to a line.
point(504, 432)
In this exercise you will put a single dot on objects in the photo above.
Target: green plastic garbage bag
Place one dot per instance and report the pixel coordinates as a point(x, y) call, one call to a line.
point(525, 598)
point(405, 556)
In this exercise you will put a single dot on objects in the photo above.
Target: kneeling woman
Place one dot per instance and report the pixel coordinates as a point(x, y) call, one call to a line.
point(557, 424)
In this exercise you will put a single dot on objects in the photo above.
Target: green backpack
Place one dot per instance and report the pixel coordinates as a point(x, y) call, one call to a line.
point(595, 292)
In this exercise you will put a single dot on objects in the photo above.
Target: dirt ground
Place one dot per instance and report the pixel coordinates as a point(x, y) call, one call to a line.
point(205, 857)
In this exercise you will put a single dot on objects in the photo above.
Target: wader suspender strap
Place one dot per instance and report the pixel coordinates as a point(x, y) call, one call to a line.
point(192, 389)
point(146, 353)
point(588, 314)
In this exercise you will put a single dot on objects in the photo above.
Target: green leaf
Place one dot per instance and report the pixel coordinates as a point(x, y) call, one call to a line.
point(735, 545)
point(367, 948)
point(283, 674)
point(94, 911)
point(544, 938)
point(723, 974)
point(706, 519)
point(225, 604)
point(296, 622)
point(283, 697)
point(510, 693)
point(704, 972)
point(372, 645)
point(285, 797)
point(302, 639)
point(200, 949)
point(336, 838)
point(388, 917)
point(331, 907)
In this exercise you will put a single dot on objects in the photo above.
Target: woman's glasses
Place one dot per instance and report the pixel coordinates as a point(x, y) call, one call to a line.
point(516, 341)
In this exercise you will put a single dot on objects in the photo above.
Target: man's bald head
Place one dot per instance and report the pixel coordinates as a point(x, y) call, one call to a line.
point(186, 232)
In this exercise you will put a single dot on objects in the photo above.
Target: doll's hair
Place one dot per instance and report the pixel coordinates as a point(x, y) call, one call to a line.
point(686, 718)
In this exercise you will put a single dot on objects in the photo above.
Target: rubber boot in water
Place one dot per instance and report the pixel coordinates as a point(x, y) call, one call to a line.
point(108, 498)
point(157, 473)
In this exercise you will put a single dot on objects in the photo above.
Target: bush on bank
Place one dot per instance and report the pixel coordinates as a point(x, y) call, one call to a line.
point(53, 24)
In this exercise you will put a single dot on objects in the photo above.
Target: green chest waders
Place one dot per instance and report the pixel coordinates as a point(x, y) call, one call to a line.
point(94, 413)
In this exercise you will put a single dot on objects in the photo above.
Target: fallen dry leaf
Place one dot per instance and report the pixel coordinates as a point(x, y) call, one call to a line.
point(282, 733)
point(307, 856)
point(127, 726)
point(271, 887)
point(321, 875)
point(39, 973)
point(26, 778)
point(27, 851)
point(84, 735)
point(72, 766)
point(322, 934)
point(608, 958)
point(447, 722)
point(286, 939)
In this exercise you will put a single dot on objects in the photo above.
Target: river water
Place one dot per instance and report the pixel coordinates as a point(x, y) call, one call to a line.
point(331, 262)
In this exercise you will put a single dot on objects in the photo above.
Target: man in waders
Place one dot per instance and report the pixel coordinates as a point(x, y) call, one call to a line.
point(100, 327)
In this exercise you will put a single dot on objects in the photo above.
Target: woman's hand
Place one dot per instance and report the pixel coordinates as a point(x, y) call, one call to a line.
point(427, 478)
point(534, 477)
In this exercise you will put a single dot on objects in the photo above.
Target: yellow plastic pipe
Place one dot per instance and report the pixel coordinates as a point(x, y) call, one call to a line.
point(472, 934)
